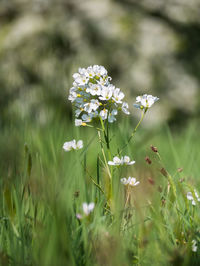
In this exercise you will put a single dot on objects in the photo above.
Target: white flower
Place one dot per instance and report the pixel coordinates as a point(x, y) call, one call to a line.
point(131, 181)
point(94, 89)
point(79, 145)
point(68, 146)
point(124, 160)
point(80, 79)
point(72, 145)
point(125, 108)
point(72, 96)
point(118, 95)
point(127, 160)
point(78, 122)
point(190, 197)
point(86, 118)
point(194, 245)
point(88, 208)
point(106, 94)
point(99, 70)
point(124, 181)
point(78, 112)
point(90, 72)
point(116, 161)
point(111, 116)
point(104, 114)
point(145, 101)
point(91, 106)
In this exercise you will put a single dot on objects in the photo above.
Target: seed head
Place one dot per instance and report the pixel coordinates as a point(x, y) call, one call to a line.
point(154, 149)
point(148, 160)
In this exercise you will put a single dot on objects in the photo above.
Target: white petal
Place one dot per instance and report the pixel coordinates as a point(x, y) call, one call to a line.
point(117, 160)
point(78, 122)
point(91, 206)
point(85, 208)
point(79, 144)
point(111, 163)
point(131, 163)
point(189, 196)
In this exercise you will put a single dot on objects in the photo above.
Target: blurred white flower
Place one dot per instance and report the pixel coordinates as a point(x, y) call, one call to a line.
point(124, 160)
point(73, 145)
point(78, 112)
point(127, 160)
point(111, 116)
point(145, 101)
point(72, 96)
point(86, 118)
point(104, 114)
point(79, 145)
point(118, 95)
point(190, 197)
point(80, 79)
point(124, 181)
point(194, 245)
point(79, 216)
point(125, 108)
point(88, 208)
point(131, 181)
point(116, 161)
point(78, 122)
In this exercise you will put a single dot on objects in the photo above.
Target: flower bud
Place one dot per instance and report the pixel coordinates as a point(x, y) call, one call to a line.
point(151, 181)
point(148, 160)
point(164, 172)
point(154, 149)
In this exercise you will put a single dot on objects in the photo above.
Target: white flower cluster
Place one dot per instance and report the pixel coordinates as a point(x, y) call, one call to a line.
point(94, 96)
point(73, 145)
point(190, 197)
point(123, 161)
point(87, 209)
point(131, 181)
point(145, 101)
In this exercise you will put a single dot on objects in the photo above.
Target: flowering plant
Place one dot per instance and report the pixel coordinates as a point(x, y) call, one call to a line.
point(94, 97)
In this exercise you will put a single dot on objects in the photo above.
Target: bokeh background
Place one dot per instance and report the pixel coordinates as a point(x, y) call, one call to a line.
point(147, 46)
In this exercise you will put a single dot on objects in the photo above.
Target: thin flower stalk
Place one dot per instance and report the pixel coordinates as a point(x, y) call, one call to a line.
point(134, 131)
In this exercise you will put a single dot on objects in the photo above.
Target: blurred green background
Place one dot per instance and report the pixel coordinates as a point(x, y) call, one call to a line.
point(147, 47)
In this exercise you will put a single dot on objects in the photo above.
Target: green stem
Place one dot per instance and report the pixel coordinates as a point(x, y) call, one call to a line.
point(93, 127)
point(134, 131)
point(104, 156)
point(106, 136)
point(95, 183)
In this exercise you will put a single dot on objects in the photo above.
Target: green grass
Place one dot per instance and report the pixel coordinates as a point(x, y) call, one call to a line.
point(43, 188)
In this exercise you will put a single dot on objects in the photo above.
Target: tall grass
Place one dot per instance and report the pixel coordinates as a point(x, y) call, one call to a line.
point(43, 188)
